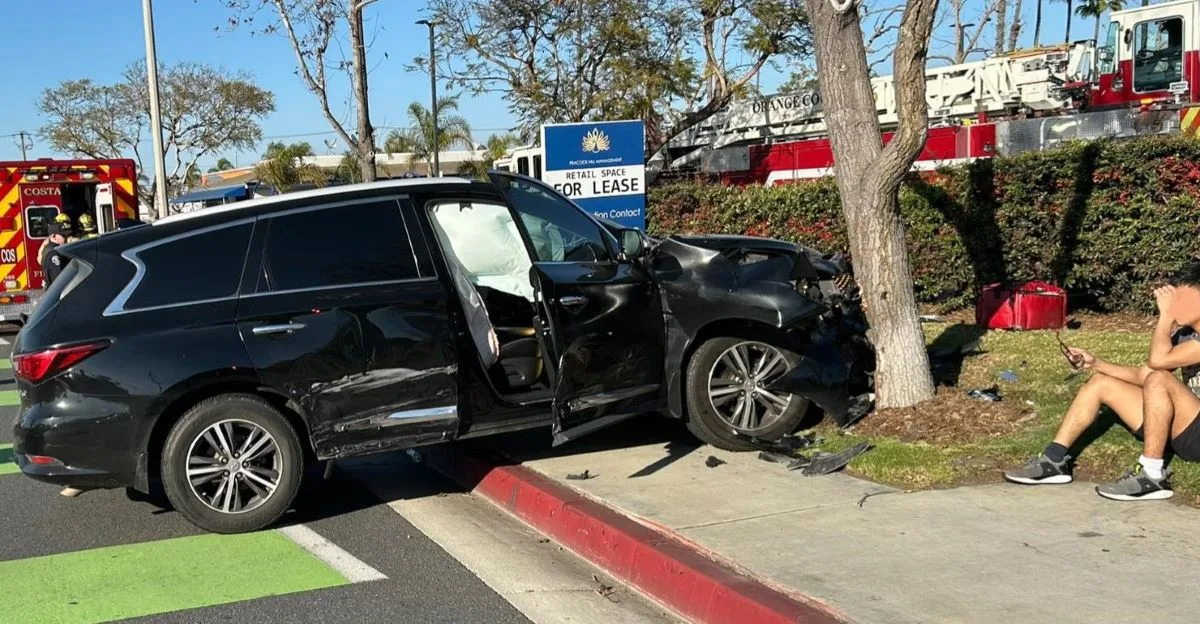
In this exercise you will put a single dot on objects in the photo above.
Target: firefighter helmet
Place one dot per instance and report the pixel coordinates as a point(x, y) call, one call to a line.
point(87, 223)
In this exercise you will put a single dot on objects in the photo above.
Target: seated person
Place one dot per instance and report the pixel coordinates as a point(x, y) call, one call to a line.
point(1156, 406)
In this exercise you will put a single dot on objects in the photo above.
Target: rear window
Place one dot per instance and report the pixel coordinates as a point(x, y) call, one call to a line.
point(71, 277)
point(340, 246)
point(194, 268)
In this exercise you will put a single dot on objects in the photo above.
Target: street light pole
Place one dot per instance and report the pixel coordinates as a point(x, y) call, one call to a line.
point(160, 180)
point(437, 169)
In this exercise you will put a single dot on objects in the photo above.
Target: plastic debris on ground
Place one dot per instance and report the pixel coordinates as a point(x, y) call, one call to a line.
point(581, 476)
point(790, 462)
point(713, 461)
point(990, 395)
point(1008, 376)
point(825, 463)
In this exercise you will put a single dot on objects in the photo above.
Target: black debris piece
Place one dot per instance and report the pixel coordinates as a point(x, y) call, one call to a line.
point(713, 461)
point(785, 445)
point(825, 463)
point(790, 462)
point(581, 476)
point(990, 395)
point(860, 406)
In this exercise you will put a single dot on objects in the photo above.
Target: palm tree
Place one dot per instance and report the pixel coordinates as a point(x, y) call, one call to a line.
point(348, 171)
point(283, 167)
point(1037, 26)
point(417, 140)
point(1070, 11)
point(496, 147)
point(1097, 9)
point(223, 164)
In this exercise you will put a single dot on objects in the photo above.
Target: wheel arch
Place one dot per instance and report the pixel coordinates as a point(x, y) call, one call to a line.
point(150, 455)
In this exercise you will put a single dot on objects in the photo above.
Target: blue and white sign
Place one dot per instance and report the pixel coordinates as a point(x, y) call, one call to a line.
point(601, 166)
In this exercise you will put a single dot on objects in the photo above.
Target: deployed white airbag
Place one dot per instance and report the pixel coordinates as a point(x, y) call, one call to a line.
point(486, 243)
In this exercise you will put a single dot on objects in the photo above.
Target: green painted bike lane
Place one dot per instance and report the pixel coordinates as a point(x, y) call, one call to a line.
point(133, 580)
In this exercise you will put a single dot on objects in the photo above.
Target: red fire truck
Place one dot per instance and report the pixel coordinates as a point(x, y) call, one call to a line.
point(1139, 79)
point(33, 194)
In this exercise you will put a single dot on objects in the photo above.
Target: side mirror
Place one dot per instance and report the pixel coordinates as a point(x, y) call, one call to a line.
point(633, 245)
point(1105, 54)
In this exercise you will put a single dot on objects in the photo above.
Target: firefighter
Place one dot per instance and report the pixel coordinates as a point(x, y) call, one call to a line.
point(88, 225)
point(52, 261)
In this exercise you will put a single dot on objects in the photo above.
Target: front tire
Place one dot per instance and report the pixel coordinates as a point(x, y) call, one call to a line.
point(726, 378)
point(232, 464)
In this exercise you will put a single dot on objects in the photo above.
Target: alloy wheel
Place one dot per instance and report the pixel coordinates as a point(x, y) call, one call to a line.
point(234, 466)
point(737, 386)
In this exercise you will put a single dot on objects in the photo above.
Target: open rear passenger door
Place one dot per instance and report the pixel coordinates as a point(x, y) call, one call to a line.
point(601, 323)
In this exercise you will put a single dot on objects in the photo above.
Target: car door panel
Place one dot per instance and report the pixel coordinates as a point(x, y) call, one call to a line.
point(602, 324)
point(373, 363)
point(605, 336)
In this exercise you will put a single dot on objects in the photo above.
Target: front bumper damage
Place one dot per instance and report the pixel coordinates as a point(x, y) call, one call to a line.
point(835, 371)
point(811, 298)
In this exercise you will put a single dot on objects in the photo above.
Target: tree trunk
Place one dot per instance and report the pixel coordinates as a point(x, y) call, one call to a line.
point(1067, 37)
point(1096, 32)
point(1001, 26)
point(366, 134)
point(1014, 34)
point(1037, 26)
point(869, 177)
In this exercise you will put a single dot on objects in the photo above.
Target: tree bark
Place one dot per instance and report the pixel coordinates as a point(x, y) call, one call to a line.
point(1096, 32)
point(366, 134)
point(1014, 34)
point(869, 176)
point(1001, 26)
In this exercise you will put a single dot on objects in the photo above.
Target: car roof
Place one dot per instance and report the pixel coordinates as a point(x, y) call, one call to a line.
point(329, 191)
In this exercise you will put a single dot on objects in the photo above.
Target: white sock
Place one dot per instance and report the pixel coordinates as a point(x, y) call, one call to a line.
point(1153, 467)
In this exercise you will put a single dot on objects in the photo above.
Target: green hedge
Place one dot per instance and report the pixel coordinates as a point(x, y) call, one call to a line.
point(1107, 220)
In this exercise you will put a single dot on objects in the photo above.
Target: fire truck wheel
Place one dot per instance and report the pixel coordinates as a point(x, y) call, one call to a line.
point(727, 397)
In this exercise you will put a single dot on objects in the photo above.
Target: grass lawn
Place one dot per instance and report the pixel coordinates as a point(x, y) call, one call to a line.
point(1043, 377)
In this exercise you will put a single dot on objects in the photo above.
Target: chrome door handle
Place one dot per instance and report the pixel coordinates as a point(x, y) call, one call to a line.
point(572, 301)
point(263, 330)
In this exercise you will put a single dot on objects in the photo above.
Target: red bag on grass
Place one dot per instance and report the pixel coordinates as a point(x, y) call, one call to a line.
point(1031, 305)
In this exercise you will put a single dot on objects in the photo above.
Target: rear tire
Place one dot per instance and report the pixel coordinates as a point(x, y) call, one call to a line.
point(245, 460)
point(715, 427)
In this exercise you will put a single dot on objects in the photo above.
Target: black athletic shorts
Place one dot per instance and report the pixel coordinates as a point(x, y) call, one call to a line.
point(1187, 444)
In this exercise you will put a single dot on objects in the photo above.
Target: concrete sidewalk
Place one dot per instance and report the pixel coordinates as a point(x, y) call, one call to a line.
point(995, 553)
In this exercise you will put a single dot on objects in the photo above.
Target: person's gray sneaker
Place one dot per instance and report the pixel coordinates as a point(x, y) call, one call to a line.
point(1138, 486)
point(1040, 470)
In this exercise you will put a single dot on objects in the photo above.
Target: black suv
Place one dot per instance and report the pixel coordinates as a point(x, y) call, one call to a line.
point(216, 353)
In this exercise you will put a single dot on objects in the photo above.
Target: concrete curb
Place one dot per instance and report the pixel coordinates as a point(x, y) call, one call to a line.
point(660, 564)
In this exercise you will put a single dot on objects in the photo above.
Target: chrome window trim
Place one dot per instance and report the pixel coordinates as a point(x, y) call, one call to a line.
point(430, 414)
point(117, 305)
point(292, 291)
point(329, 191)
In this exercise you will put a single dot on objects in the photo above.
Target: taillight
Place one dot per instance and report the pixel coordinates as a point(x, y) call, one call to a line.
point(41, 365)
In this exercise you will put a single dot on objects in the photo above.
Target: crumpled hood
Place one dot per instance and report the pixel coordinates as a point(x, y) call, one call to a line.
point(809, 263)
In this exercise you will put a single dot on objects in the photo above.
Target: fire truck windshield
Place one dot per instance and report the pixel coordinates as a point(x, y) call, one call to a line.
point(1157, 54)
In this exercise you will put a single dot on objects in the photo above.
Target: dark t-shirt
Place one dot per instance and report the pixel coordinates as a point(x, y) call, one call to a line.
point(1189, 374)
point(55, 262)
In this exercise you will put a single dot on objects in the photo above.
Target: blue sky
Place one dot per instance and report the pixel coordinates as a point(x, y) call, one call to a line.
point(75, 39)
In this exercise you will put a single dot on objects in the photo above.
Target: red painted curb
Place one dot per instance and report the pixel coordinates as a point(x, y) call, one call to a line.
point(663, 566)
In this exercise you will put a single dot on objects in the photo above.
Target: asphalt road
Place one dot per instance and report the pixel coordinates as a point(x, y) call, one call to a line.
point(102, 556)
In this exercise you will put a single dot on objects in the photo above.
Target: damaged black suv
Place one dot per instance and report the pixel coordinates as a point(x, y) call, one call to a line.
point(214, 354)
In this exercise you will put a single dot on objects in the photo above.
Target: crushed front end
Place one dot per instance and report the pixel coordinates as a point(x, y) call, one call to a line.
point(809, 298)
